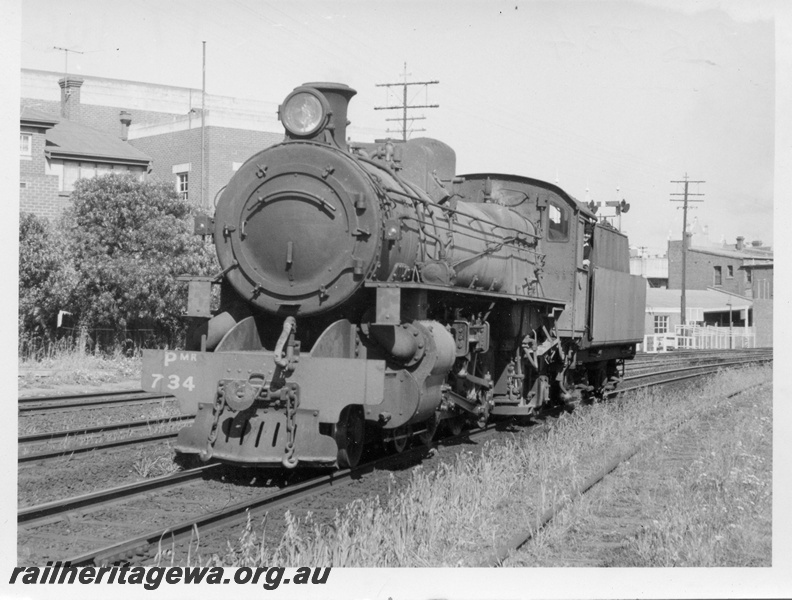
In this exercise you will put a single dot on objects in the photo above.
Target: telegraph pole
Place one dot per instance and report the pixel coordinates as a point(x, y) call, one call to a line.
point(203, 127)
point(686, 199)
point(404, 106)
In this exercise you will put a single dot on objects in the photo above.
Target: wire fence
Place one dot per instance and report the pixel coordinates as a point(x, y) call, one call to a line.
point(88, 340)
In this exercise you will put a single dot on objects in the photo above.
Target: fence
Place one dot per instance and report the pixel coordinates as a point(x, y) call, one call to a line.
point(90, 340)
point(696, 337)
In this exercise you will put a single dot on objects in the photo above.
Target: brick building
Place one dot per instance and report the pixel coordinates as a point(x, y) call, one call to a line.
point(729, 291)
point(762, 294)
point(703, 307)
point(175, 148)
point(38, 190)
point(714, 319)
point(721, 267)
point(157, 122)
point(57, 151)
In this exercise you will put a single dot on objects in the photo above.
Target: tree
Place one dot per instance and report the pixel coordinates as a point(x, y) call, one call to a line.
point(45, 276)
point(130, 240)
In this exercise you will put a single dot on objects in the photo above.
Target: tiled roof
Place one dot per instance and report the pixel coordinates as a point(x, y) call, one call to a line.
point(734, 253)
point(33, 116)
point(666, 301)
point(73, 140)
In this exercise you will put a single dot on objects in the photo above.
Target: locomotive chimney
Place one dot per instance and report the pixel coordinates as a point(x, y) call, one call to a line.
point(338, 96)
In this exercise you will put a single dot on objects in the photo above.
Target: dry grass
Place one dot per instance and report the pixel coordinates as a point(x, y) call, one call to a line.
point(155, 463)
point(456, 514)
point(79, 441)
point(62, 364)
point(30, 424)
point(722, 502)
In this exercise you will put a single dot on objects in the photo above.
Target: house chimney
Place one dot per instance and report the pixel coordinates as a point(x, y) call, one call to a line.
point(70, 97)
point(756, 243)
point(126, 121)
point(740, 242)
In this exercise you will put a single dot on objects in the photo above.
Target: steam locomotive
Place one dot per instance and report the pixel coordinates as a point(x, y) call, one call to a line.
point(368, 292)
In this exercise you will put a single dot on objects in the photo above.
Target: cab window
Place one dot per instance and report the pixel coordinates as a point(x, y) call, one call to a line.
point(557, 222)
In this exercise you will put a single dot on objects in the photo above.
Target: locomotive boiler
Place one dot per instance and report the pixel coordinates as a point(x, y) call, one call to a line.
point(368, 292)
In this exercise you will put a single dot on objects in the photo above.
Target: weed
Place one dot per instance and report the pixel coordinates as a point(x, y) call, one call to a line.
point(455, 514)
point(148, 466)
point(66, 364)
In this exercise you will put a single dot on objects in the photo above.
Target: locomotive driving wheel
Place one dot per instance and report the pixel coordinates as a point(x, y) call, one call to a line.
point(401, 436)
point(454, 425)
point(428, 434)
point(349, 436)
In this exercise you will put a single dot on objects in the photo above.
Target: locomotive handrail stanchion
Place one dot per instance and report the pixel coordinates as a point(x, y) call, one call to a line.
point(453, 210)
point(476, 233)
point(473, 235)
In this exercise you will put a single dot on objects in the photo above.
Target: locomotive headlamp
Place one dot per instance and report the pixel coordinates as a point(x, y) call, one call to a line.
point(304, 112)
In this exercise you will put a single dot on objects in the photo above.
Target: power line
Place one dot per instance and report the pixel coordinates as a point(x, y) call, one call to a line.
point(404, 106)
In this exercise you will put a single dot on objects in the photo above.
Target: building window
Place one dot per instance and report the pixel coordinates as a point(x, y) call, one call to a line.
point(25, 144)
point(661, 324)
point(182, 185)
point(748, 278)
point(71, 173)
point(718, 276)
point(87, 170)
point(729, 272)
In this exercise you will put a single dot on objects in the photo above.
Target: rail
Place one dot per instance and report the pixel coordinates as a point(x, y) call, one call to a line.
point(143, 547)
point(93, 400)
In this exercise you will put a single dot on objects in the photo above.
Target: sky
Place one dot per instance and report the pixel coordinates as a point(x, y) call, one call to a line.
point(596, 95)
point(612, 100)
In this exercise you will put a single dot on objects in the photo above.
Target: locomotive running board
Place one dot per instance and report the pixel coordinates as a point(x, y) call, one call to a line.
point(466, 291)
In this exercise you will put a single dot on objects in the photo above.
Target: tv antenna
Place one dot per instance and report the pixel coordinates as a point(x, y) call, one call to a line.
point(66, 64)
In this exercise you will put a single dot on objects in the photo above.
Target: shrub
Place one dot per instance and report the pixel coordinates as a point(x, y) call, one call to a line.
point(129, 241)
point(45, 277)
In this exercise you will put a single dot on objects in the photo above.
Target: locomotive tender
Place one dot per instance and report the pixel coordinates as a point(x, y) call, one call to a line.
point(368, 291)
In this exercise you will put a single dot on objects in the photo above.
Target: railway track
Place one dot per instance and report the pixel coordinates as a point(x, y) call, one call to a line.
point(34, 521)
point(642, 362)
point(106, 428)
point(85, 448)
point(43, 404)
point(142, 547)
point(652, 377)
point(49, 436)
point(519, 538)
point(649, 362)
